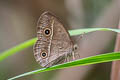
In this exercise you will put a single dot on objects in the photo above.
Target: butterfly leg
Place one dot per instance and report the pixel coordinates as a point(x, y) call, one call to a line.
point(77, 55)
point(67, 58)
point(73, 55)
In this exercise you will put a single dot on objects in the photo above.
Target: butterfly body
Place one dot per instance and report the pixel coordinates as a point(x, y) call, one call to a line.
point(54, 43)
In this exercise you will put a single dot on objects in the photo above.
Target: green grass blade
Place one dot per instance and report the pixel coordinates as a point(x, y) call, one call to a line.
point(82, 31)
point(29, 43)
point(81, 62)
point(17, 48)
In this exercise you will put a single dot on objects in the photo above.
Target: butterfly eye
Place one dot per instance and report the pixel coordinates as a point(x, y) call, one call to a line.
point(47, 31)
point(43, 54)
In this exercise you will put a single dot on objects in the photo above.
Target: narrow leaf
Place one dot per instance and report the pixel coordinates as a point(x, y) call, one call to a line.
point(81, 62)
point(17, 48)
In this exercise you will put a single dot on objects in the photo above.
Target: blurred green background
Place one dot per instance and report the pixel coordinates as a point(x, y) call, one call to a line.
point(18, 20)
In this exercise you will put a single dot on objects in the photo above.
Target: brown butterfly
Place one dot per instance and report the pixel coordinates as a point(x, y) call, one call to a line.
point(54, 45)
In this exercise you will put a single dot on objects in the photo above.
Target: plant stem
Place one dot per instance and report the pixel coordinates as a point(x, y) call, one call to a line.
point(115, 74)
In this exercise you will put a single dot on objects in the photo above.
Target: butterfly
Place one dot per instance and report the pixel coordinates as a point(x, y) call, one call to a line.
point(54, 45)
